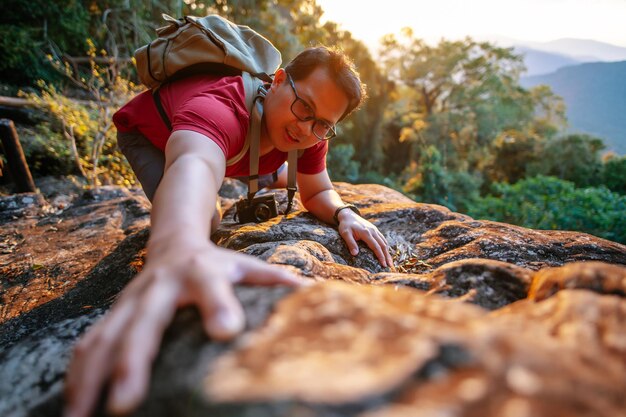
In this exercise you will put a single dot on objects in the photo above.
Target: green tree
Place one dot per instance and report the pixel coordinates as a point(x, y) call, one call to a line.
point(551, 203)
point(341, 166)
point(28, 31)
point(464, 91)
point(461, 97)
point(514, 156)
point(431, 182)
point(573, 158)
point(614, 174)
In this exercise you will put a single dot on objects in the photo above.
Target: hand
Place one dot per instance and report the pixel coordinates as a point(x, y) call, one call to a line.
point(353, 227)
point(122, 346)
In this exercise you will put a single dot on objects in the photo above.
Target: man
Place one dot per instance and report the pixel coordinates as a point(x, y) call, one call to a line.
point(209, 123)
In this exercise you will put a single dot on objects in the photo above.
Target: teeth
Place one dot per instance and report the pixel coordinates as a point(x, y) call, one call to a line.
point(292, 137)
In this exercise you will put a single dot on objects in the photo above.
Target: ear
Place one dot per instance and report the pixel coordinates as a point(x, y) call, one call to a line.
point(280, 76)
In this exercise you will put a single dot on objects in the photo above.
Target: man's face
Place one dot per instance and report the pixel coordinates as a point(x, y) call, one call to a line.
point(328, 102)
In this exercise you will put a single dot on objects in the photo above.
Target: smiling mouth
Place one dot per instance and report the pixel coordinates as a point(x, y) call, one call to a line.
point(291, 137)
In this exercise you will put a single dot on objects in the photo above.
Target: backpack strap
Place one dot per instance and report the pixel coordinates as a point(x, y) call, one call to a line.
point(159, 105)
point(252, 86)
point(255, 94)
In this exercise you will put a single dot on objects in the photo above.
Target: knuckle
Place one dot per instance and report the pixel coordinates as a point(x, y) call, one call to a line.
point(343, 230)
point(196, 260)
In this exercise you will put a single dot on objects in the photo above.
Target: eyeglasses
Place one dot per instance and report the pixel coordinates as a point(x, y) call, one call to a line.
point(301, 109)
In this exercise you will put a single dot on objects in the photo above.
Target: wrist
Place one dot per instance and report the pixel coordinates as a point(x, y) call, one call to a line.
point(343, 212)
point(175, 242)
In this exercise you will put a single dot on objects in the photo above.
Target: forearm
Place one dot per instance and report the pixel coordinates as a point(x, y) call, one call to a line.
point(183, 205)
point(185, 201)
point(323, 205)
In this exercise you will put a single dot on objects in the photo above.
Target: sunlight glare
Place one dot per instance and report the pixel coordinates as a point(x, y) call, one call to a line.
point(502, 20)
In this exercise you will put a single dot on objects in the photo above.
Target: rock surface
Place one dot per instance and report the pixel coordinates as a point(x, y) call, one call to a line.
point(477, 319)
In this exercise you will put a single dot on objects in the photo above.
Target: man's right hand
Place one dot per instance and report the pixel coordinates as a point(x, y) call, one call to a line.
point(122, 346)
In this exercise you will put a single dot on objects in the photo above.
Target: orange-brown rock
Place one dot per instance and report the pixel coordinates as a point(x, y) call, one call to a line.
point(476, 319)
point(595, 276)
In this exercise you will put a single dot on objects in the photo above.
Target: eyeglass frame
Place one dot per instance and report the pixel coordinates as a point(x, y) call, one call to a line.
point(332, 129)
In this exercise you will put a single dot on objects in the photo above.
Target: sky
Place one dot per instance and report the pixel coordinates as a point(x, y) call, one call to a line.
point(526, 20)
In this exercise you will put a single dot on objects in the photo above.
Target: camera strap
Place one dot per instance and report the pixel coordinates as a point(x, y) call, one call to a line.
point(255, 135)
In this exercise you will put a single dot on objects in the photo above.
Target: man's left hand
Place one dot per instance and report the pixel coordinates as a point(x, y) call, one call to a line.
point(353, 227)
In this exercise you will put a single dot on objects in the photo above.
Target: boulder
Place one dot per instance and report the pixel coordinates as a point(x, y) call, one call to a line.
point(477, 318)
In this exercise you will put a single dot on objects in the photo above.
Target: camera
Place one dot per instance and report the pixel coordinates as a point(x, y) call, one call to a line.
point(260, 209)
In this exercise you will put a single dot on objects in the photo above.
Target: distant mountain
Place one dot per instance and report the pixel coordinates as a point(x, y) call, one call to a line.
point(584, 50)
point(595, 96)
point(546, 57)
point(540, 62)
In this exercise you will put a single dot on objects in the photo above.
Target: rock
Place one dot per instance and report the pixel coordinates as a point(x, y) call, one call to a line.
point(595, 276)
point(488, 283)
point(356, 341)
point(476, 319)
point(47, 253)
point(24, 205)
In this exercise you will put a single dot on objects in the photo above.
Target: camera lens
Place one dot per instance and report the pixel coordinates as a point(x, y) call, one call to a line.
point(262, 212)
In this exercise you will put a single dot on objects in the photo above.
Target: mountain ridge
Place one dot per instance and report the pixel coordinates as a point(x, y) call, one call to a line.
point(595, 97)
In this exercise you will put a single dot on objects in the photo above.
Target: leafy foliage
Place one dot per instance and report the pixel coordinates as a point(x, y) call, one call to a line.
point(340, 165)
point(573, 158)
point(46, 151)
point(552, 203)
point(462, 99)
point(86, 125)
point(28, 29)
point(614, 174)
point(434, 183)
point(443, 123)
point(461, 94)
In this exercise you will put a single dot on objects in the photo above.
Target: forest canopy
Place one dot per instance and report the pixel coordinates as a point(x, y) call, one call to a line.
point(446, 123)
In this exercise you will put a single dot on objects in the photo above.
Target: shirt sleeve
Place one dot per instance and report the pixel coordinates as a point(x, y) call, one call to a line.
point(216, 118)
point(313, 161)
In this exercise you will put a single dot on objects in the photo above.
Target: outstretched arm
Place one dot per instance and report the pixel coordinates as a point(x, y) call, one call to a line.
point(320, 198)
point(183, 267)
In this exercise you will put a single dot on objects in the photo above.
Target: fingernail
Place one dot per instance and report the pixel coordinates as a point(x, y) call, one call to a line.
point(354, 252)
point(122, 398)
point(228, 321)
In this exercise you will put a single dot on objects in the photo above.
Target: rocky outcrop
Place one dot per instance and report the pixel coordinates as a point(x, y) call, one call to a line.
point(477, 318)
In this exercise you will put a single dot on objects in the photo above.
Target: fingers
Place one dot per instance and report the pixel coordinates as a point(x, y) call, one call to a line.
point(385, 247)
point(258, 272)
point(346, 234)
point(384, 257)
point(374, 240)
point(123, 345)
point(377, 245)
point(139, 346)
point(222, 314)
point(90, 365)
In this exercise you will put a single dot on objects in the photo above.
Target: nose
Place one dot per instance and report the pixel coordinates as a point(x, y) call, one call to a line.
point(305, 128)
